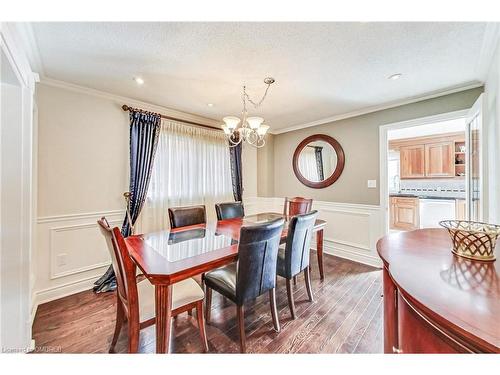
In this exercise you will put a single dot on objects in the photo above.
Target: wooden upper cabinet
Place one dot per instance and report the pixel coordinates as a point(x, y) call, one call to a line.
point(412, 161)
point(440, 159)
point(430, 156)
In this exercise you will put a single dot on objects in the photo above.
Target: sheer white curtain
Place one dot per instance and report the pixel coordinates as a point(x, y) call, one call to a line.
point(307, 164)
point(191, 167)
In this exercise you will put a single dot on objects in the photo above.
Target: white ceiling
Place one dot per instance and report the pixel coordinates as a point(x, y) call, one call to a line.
point(321, 69)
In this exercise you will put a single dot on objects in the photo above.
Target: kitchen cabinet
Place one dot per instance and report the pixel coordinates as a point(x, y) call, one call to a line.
point(404, 213)
point(440, 159)
point(431, 156)
point(412, 161)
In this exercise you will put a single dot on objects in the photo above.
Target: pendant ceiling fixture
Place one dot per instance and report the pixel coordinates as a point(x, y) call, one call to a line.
point(252, 129)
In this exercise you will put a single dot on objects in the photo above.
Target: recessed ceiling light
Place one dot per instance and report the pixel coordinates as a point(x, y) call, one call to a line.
point(139, 80)
point(395, 76)
point(210, 104)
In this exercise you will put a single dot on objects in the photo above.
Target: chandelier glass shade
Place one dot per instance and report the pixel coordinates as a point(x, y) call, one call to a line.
point(251, 130)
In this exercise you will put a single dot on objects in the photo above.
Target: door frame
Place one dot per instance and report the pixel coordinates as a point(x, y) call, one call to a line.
point(477, 110)
point(383, 148)
point(18, 63)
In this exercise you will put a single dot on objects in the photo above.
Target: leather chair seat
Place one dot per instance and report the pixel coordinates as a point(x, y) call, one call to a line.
point(223, 280)
point(183, 293)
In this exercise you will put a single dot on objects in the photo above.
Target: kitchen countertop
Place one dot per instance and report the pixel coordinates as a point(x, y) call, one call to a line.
point(423, 196)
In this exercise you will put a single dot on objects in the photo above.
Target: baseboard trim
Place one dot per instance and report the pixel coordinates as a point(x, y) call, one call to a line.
point(60, 291)
point(350, 252)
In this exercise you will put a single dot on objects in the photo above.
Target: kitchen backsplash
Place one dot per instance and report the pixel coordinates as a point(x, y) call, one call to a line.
point(452, 188)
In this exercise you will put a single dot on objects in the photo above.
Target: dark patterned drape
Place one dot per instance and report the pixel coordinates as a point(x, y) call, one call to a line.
point(319, 162)
point(236, 171)
point(144, 132)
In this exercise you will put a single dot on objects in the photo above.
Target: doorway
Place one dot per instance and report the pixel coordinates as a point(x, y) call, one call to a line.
point(431, 169)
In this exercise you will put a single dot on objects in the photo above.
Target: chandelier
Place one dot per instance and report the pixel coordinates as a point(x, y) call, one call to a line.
point(252, 129)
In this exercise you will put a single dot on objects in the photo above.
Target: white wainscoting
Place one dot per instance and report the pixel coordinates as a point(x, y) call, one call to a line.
point(71, 253)
point(351, 232)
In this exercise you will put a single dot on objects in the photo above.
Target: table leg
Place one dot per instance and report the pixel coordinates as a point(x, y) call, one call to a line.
point(319, 251)
point(163, 306)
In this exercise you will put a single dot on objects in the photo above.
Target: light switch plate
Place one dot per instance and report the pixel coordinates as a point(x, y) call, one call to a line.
point(372, 184)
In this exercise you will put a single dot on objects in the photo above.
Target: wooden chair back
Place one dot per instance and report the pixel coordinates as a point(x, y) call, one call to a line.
point(125, 269)
point(297, 206)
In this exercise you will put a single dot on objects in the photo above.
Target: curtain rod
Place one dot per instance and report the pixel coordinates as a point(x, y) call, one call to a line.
point(127, 108)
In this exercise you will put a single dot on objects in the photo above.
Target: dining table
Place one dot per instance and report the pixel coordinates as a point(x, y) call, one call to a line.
point(172, 255)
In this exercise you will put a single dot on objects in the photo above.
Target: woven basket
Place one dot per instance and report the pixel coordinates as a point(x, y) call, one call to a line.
point(472, 240)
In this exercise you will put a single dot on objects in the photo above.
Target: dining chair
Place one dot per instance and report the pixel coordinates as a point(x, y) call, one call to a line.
point(185, 216)
point(252, 275)
point(229, 210)
point(136, 298)
point(294, 257)
point(297, 205)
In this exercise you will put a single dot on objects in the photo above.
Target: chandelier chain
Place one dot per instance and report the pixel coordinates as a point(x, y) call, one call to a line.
point(247, 97)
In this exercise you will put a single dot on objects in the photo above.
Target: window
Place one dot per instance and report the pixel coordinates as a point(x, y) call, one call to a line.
point(191, 167)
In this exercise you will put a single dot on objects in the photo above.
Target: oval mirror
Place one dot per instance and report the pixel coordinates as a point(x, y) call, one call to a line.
point(318, 161)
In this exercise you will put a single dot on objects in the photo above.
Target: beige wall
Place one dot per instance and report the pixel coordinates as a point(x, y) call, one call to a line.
point(265, 162)
point(359, 137)
point(82, 153)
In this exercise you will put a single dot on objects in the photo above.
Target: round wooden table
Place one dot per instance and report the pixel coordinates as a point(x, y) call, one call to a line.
point(434, 301)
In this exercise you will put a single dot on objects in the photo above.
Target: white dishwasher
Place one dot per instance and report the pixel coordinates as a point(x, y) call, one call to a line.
point(432, 211)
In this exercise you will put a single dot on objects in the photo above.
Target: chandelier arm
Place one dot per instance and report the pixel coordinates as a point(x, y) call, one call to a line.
point(231, 142)
point(258, 144)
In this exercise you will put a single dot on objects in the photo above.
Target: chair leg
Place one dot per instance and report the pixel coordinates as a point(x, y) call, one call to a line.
point(289, 293)
point(201, 325)
point(120, 317)
point(241, 323)
point(208, 304)
point(307, 277)
point(133, 336)
point(274, 311)
point(295, 280)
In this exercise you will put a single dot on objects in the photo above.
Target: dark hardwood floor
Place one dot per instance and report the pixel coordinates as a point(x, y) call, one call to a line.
point(346, 317)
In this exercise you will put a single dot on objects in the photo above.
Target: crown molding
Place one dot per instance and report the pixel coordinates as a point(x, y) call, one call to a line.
point(129, 101)
point(381, 107)
point(10, 43)
point(29, 45)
